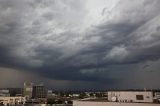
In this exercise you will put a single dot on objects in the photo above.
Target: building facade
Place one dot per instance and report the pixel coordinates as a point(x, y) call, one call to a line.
point(4, 93)
point(27, 90)
point(130, 96)
point(12, 100)
point(13, 91)
point(39, 91)
point(157, 97)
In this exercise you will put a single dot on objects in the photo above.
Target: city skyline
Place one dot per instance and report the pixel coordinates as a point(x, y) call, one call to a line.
point(80, 44)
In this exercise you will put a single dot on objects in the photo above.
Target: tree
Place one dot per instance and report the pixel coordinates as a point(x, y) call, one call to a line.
point(51, 101)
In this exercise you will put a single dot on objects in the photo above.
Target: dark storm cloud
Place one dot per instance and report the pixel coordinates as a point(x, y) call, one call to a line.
point(56, 40)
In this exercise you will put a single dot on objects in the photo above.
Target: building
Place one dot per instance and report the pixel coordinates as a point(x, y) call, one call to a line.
point(12, 100)
point(50, 94)
point(157, 96)
point(4, 93)
point(130, 96)
point(39, 91)
point(13, 91)
point(27, 90)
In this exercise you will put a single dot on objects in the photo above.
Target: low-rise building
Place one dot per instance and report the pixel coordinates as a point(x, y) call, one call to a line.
point(130, 96)
point(12, 100)
point(75, 95)
point(157, 97)
point(4, 93)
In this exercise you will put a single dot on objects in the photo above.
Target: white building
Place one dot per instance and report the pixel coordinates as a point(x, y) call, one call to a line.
point(130, 96)
point(12, 100)
point(157, 96)
point(75, 95)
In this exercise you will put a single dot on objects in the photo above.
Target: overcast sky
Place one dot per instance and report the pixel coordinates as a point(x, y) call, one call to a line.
point(80, 44)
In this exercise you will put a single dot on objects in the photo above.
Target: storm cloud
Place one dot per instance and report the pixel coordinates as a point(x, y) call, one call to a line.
point(107, 43)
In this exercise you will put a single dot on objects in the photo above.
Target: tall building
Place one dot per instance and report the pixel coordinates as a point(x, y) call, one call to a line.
point(39, 91)
point(27, 90)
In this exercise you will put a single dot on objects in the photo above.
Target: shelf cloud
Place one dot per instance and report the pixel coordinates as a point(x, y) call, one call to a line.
point(104, 43)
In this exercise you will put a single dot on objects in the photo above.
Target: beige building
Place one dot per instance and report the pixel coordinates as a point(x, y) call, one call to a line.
point(130, 96)
point(27, 90)
point(12, 100)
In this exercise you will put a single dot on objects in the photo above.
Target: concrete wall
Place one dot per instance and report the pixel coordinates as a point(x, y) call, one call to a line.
point(130, 96)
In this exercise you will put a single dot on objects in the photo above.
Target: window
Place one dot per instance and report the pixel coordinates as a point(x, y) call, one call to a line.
point(139, 97)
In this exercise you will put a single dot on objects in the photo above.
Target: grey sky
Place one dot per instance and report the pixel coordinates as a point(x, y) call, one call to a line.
point(80, 43)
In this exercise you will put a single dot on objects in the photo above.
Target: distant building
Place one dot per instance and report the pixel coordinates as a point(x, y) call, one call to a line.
point(12, 100)
point(13, 91)
point(27, 90)
point(4, 93)
point(75, 95)
point(130, 96)
point(39, 91)
point(50, 94)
